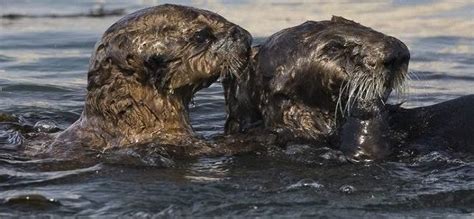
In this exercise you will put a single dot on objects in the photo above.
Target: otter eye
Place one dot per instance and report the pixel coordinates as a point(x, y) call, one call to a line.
point(203, 36)
point(333, 48)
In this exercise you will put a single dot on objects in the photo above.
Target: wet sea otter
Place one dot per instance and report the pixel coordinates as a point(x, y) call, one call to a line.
point(322, 83)
point(143, 74)
point(326, 83)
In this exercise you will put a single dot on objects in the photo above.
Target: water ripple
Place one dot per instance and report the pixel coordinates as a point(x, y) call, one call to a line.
point(15, 177)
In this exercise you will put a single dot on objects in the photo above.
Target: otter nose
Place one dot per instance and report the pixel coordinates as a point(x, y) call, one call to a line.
point(238, 33)
point(395, 52)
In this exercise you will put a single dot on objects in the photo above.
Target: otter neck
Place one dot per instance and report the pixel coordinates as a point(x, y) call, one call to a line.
point(129, 112)
point(364, 135)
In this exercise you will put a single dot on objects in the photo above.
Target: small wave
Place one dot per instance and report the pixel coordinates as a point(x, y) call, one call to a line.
point(98, 13)
point(15, 178)
point(305, 183)
point(312, 155)
point(209, 169)
point(33, 88)
point(4, 58)
point(10, 140)
point(347, 189)
point(436, 159)
point(170, 211)
point(33, 200)
point(47, 126)
point(463, 200)
point(138, 158)
point(8, 159)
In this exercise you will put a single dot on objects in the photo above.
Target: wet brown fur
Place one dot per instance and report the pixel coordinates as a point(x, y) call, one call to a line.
point(144, 72)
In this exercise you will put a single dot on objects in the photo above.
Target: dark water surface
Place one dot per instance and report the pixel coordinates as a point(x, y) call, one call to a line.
point(43, 64)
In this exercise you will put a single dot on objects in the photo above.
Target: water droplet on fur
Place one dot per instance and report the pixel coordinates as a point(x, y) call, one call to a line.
point(192, 103)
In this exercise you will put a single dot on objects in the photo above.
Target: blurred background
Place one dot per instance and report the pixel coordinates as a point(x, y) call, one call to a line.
point(401, 18)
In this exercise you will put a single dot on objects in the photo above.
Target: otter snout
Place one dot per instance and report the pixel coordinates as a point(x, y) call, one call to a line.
point(394, 53)
point(237, 40)
point(238, 34)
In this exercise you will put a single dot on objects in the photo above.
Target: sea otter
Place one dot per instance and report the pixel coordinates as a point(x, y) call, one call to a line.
point(323, 83)
point(143, 74)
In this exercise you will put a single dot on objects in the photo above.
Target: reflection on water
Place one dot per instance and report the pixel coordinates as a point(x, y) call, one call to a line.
point(209, 169)
point(16, 178)
point(43, 64)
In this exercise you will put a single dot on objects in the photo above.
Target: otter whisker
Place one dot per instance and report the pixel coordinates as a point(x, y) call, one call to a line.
point(376, 89)
point(339, 107)
point(354, 84)
point(400, 85)
point(367, 89)
point(358, 86)
point(354, 98)
point(233, 67)
point(349, 98)
point(233, 71)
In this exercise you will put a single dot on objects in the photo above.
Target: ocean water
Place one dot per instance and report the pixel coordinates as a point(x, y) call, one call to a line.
point(43, 64)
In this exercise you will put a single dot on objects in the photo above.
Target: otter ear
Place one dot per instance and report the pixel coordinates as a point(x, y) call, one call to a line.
point(338, 19)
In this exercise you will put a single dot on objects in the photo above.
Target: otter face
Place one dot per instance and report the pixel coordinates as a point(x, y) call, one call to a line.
point(305, 76)
point(175, 48)
point(334, 64)
point(147, 67)
point(199, 47)
point(369, 64)
point(330, 65)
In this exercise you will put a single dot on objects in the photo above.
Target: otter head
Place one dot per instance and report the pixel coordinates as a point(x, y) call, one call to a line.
point(147, 67)
point(311, 80)
point(368, 65)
